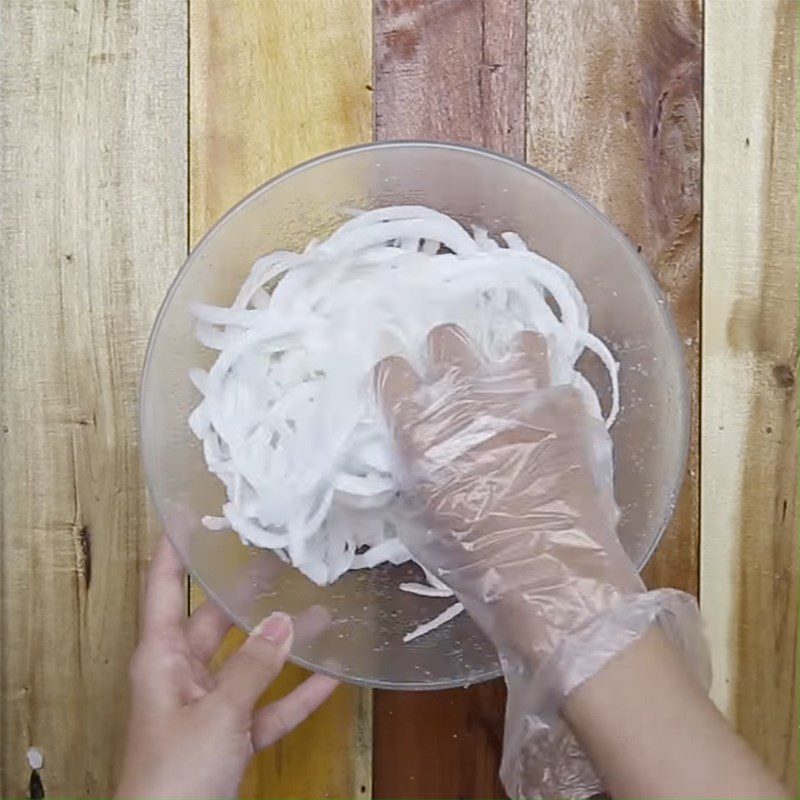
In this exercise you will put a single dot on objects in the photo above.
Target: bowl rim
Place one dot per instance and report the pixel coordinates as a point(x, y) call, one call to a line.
point(683, 398)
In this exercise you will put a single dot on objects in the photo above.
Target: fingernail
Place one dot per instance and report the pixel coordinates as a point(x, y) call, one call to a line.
point(276, 627)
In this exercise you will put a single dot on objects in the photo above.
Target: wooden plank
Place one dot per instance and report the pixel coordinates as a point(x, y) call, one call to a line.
point(273, 83)
point(449, 70)
point(749, 565)
point(93, 227)
point(614, 112)
point(439, 744)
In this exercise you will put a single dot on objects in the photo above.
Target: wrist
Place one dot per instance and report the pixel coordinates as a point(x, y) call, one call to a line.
point(647, 723)
point(588, 649)
point(530, 620)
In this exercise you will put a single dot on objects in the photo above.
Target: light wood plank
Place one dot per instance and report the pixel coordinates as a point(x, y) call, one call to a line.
point(92, 230)
point(614, 112)
point(749, 566)
point(452, 71)
point(274, 83)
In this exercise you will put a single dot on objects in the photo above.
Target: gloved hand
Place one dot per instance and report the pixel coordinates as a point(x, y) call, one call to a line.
point(513, 479)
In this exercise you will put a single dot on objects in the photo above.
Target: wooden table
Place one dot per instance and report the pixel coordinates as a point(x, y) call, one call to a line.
point(128, 127)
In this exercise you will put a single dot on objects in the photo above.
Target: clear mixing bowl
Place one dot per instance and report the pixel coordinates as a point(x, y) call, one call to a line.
point(353, 629)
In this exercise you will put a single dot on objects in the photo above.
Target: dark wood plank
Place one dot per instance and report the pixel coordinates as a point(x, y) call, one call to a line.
point(451, 70)
point(614, 111)
point(438, 744)
point(446, 70)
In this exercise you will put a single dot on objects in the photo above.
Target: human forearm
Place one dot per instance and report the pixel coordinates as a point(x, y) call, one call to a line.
point(651, 731)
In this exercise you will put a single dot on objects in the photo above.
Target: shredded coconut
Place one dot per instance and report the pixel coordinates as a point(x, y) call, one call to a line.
point(289, 422)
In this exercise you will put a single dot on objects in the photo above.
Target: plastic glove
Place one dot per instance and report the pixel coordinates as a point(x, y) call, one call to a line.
point(513, 479)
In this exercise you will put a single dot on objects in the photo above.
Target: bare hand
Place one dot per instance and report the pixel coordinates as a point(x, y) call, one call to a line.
point(192, 732)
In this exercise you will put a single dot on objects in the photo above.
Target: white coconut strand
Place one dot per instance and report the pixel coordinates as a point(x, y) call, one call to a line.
point(288, 420)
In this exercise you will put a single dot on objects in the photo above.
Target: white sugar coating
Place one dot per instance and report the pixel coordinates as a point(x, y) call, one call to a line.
point(289, 421)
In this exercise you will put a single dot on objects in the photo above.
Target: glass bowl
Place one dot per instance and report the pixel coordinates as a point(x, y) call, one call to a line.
point(353, 629)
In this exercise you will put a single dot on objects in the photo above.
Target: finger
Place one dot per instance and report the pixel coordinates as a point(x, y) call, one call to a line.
point(253, 667)
point(165, 597)
point(450, 349)
point(529, 354)
point(205, 630)
point(279, 718)
point(396, 385)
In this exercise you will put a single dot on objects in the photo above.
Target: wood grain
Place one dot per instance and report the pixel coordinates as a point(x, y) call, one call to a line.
point(749, 560)
point(273, 83)
point(93, 227)
point(614, 111)
point(450, 70)
point(439, 744)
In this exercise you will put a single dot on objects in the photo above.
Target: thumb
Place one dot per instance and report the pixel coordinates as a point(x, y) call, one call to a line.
point(253, 667)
